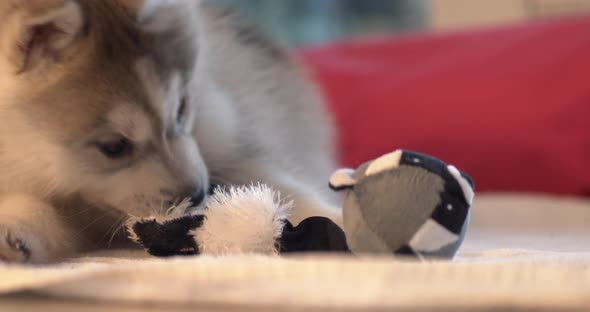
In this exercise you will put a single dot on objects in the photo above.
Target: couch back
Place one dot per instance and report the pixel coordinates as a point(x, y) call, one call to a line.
point(510, 105)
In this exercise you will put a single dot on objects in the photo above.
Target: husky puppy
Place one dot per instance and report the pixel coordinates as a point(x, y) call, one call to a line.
point(113, 108)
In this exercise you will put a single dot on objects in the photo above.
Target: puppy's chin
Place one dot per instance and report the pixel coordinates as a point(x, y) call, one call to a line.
point(196, 209)
point(158, 209)
point(185, 207)
point(129, 208)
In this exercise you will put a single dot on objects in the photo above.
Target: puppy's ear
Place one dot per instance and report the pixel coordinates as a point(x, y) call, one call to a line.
point(172, 27)
point(131, 5)
point(38, 32)
point(162, 16)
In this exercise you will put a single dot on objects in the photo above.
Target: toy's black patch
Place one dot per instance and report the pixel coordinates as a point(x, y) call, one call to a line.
point(405, 251)
point(451, 212)
point(340, 188)
point(426, 162)
point(453, 208)
point(315, 234)
point(468, 178)
point(171, 238)
point(433, 165)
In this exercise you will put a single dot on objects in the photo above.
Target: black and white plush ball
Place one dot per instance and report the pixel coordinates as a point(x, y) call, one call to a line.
point(406, 203)
point(236, 220)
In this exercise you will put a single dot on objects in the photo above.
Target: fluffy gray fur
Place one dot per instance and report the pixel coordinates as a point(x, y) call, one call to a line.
point(97, 72)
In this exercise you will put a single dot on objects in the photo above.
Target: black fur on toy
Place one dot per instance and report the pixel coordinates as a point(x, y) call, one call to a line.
point(173, 237)
point(167, 238)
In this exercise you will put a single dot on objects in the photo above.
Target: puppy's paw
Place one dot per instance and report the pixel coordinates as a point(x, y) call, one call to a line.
point(31, 231)
point(20, 246)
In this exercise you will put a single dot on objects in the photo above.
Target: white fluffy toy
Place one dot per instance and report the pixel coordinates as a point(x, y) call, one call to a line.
point(237, 220)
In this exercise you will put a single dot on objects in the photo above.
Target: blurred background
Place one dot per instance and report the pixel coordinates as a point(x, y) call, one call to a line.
point(308, 22)
point(497, 87)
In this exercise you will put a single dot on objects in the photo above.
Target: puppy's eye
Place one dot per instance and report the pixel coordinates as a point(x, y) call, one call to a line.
point(181, 110)
point(116, 149)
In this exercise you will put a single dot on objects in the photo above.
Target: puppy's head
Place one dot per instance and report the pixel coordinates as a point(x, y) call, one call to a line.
point(99, 97)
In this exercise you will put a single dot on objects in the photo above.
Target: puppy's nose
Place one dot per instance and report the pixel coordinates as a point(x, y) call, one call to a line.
point(212, 189)
point(197, 197)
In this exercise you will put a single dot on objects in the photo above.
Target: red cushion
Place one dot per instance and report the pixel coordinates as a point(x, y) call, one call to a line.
point(510, 106)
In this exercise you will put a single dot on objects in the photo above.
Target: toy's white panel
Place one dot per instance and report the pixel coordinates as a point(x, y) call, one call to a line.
point(383, 163)
point(432, 237)
point(342, 178)
point(467, 189)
